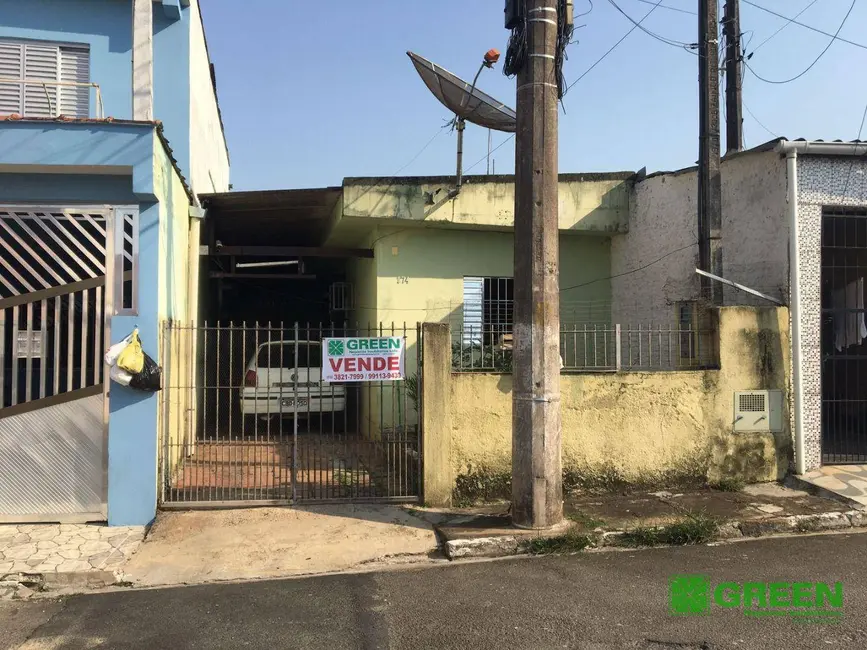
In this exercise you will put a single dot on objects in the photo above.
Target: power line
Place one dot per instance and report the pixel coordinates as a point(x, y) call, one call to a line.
point(412, 160)
point(670, 8)
point(614, 47)
point(836, 37)
point(852, 162)
point(810, 67)
point(759, 122)
point(663, 39)
point(483, 158)
point(788, 22)
point(630, 272)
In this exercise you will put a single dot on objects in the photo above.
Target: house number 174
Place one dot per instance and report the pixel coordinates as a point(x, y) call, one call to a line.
point(402, 279)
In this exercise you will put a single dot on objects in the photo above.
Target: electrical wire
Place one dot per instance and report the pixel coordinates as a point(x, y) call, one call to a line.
point(614, 47)
point(689, 47)
point(662, 6)
point(759, 122)
point(852, 162)
point(485, 157)
point(836, 37)
point(631, 271)
point(389, 179)
point(788, 22)
point(810, 67)
point(585, 13)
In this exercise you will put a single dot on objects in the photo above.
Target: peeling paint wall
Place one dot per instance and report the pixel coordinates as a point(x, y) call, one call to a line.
point(643, 425)
point(663, 239)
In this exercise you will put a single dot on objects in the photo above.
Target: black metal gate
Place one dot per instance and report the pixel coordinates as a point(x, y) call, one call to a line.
point(247, 417)
point(844, 336)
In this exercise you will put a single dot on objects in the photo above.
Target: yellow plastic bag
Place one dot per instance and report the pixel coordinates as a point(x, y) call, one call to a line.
point(132, 357)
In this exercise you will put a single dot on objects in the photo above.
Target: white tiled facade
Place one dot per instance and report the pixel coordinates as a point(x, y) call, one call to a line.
point(822, 181)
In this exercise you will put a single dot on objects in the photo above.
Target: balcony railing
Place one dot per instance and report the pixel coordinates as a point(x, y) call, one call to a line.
point(54, 105)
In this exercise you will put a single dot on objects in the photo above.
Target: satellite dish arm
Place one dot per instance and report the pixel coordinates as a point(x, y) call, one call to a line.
point(459, 173)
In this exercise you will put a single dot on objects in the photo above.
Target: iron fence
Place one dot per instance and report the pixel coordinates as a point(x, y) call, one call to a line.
point(598, 347)
point(248, 417)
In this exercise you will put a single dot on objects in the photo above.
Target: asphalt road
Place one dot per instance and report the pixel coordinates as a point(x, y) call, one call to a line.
point(591, 600)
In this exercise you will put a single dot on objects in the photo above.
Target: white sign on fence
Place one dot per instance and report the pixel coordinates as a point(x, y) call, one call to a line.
point(363, 358)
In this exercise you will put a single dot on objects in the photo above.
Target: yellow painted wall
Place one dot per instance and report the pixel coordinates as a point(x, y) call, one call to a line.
point(589, 202)
point(417, 276)
point(174, 305)
point(644, 425)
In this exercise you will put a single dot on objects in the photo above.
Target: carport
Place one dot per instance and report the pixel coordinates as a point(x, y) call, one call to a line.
point(247, 415)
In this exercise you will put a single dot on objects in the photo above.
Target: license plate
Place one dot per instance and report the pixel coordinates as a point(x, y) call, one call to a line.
point(290, 401)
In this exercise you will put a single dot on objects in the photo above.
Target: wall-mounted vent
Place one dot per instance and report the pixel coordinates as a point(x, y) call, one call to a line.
point(758, 410)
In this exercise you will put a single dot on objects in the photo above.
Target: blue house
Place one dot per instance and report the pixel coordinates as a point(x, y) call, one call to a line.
point(109, 128)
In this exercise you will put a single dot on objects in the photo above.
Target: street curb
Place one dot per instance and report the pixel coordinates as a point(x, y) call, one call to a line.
point(506, 545)
point(20, 585)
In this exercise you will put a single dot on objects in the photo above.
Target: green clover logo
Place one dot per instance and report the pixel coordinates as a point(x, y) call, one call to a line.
point(335, 348)
point(689, 594)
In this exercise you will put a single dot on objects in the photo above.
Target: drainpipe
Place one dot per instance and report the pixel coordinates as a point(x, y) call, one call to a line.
point(795, 305)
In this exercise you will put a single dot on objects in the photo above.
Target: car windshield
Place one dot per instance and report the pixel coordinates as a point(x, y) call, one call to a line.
point(282, 355)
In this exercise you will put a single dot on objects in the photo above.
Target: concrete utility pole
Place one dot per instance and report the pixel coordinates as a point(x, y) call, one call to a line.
point(734, 102)
point(709, 187)
point(537, 482)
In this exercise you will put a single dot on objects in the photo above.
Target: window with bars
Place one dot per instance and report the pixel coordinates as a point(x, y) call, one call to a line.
point(35, 79)
point(488, 308)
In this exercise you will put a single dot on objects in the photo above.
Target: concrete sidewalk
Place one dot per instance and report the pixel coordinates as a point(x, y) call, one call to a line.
point(757, 510)
point(205, 546)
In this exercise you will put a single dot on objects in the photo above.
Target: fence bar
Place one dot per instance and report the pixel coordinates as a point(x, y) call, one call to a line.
point(618, 350)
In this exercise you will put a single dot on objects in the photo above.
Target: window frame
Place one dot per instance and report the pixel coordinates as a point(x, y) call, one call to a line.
point(55, 102)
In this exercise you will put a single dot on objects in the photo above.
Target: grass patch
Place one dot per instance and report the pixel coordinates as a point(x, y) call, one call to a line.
point(728, 484)
point(569, 542)
point(584, 520)
point(697, 528)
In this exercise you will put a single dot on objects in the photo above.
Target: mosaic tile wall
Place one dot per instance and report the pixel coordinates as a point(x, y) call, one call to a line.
point(822, 181)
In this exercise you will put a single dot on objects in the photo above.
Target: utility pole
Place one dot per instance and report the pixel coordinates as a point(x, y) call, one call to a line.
point(709, 186)
point(537, 479)
point(734, 101)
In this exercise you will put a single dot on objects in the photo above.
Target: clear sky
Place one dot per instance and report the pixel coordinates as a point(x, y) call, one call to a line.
point(314, 91)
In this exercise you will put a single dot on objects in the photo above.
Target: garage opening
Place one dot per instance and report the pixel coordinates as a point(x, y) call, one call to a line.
point(250, 414)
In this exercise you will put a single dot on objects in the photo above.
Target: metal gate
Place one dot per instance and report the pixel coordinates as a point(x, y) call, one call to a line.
point(844, 336)
point(53, 331)
point(248, 418)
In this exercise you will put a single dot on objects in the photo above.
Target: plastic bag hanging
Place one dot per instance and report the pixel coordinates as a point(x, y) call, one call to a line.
point(131, 357)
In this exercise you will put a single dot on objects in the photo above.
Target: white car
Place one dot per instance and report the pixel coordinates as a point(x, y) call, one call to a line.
point(275, 385)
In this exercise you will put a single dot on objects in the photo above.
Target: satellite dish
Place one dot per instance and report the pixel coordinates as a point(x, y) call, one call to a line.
point(463, 99)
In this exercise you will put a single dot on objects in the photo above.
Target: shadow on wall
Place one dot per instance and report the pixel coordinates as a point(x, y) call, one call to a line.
point(111, 19)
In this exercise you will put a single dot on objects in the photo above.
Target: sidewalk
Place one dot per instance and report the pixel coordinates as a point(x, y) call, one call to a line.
point(41, 554)
point(611, 520)
point(206, 546)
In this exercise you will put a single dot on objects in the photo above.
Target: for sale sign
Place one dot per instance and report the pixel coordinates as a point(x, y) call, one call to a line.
point(363, 358)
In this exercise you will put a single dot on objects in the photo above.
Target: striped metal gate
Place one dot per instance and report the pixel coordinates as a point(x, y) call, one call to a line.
point(55, 311)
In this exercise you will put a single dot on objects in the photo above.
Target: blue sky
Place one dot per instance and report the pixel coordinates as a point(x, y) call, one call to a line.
point(312, 92)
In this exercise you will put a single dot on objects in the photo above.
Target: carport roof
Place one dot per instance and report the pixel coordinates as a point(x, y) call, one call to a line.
point(272, 217)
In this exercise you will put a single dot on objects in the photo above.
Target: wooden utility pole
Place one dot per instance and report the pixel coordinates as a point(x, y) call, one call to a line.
point(709, 187)
point(537, 481)
point(734, 102)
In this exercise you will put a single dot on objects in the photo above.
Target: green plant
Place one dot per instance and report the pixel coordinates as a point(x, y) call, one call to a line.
point(569, 542)
point(695, 528)
point(480, 485)
point(586, 521)
point(728, 484)
point(480, 358)
point(412, 390)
